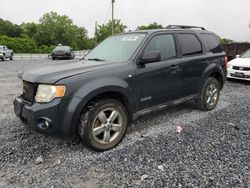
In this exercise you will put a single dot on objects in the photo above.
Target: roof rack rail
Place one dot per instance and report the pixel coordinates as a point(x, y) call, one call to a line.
point(183, 27)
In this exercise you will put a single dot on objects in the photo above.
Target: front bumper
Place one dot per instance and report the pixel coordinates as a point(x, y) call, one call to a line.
point(238, 74)
point(61, 56)
point(54, 118)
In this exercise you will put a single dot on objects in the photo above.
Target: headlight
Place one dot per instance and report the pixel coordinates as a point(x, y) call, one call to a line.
point(46, 93)
point(229, 66)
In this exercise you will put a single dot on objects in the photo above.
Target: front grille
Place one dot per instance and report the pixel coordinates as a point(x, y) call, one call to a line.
point(241, 68)
point(240, 76)
point(59, 52)
point(29, 90)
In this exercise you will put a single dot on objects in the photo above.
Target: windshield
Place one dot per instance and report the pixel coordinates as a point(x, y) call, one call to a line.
point(246, 54)
point(118, 48)
point(61, 48)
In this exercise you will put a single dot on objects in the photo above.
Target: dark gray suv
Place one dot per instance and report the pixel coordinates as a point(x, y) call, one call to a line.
point(124, 77)
point(62, 52)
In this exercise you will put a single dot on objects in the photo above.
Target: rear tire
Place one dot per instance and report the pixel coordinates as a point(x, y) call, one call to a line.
point(103, 124)
point(11, 57)
point(209, 95)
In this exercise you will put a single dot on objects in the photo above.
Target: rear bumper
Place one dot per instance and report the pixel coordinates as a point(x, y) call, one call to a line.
point(238, 74)
point(54, 118)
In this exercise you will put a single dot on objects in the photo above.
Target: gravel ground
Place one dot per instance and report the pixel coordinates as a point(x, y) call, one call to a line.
point(212, 150)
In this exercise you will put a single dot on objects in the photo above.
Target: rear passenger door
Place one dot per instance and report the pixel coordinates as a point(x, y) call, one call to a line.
point(159, 82)
point(193, 61)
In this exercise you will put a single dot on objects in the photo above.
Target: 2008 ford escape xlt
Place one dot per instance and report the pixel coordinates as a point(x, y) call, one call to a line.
point(124, 77)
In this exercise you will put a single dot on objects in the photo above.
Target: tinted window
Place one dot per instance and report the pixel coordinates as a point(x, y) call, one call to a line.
point(211, 43)
point(164, 44)
point(190, 44)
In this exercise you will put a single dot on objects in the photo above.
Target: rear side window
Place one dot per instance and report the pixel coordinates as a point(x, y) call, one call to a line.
point(190, 44)
point(165, 44)
point(211, 42)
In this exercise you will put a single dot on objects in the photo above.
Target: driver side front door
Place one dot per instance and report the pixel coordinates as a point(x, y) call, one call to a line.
point(159, 82)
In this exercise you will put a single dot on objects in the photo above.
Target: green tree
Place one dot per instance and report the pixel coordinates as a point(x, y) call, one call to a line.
point(225, 41)
point(19, 45)
point(29, 29)
point(104, 31)
point(9, 29)
point(150, 26)
point(54, 29)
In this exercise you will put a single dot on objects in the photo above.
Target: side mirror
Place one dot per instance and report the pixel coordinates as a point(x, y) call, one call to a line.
point(150, 57)
point(237, 56)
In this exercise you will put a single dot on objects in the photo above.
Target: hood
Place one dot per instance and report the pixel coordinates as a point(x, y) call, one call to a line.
point(240, 62)
point(52, 72)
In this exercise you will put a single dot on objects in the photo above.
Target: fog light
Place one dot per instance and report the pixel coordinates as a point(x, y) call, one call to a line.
point(44, 123)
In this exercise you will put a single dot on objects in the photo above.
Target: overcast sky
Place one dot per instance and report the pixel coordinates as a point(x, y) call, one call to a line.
point(228, 18)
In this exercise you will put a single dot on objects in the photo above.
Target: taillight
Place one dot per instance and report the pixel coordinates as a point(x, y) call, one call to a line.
point(225, 60)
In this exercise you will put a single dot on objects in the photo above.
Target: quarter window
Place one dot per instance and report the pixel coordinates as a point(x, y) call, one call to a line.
point(211, 42)
point(190, 44)
point(165, 44)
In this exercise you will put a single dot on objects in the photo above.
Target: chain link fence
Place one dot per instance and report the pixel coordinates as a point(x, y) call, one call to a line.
point(78, 55)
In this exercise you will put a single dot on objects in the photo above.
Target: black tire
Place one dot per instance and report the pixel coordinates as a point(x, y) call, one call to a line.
point(3, 58)
point(11, 57)
point(90, 123)
point(53, 58)
point(203, 101)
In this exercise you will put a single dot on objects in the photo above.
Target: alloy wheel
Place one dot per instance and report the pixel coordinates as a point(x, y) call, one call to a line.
point(107, 126)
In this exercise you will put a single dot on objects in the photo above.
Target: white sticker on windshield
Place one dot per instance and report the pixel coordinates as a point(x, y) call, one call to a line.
point(129, 38)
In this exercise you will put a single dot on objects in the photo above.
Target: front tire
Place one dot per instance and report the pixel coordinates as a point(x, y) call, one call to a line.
point(103, 124)
point(209, 95)
point(3, 58)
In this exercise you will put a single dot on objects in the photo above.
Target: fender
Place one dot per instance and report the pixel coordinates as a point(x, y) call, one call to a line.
point(97, 87)
point(211, 68)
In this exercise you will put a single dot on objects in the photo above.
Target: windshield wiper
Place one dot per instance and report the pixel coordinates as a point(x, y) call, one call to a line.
point(95, 59)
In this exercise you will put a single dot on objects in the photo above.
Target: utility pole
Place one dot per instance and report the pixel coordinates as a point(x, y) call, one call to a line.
point(113, 2)
point(95, 33)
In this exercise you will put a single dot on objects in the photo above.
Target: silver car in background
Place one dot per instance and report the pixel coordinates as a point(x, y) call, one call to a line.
point(6, 53)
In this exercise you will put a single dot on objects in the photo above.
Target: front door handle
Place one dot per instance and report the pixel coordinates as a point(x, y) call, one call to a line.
point(174, 67)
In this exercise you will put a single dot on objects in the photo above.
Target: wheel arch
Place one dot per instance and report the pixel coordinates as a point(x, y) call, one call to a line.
point(116, 92)
point(212, 71)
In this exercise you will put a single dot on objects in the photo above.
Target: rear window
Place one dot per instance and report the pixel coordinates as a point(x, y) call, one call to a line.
point(211, 42)
point(190, 44)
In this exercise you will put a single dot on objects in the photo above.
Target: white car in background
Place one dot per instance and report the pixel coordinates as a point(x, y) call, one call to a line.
point(239, 68)
point(5, 53)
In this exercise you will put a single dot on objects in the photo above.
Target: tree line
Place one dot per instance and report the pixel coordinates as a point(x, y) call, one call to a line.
point(53, 29)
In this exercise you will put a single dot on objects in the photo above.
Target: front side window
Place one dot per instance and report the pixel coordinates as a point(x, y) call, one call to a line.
point(117, 48)
point(165, 44)
point(190, 44)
